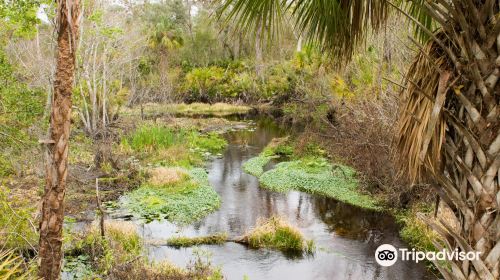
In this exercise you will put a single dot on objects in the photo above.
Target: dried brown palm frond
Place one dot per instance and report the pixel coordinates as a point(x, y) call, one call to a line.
point(421, 128)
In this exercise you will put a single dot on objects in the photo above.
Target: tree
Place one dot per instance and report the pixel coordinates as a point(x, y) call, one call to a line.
point(450, 118)
point(50, 251)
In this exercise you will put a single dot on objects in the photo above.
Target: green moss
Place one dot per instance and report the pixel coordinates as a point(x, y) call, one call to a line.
point(180, 202)
point(183, 241)
point(278, 234)
point(317, 176)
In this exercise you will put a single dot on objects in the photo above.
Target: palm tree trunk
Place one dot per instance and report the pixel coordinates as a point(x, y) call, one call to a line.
point(50, 252)
point(450, 125)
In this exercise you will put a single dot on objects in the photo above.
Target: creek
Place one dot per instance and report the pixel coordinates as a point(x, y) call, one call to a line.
point(346, 237)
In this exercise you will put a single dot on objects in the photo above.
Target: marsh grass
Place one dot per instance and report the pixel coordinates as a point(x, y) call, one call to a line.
point(17, 226)
point(278, 234)
point(90, 254)
point(169, 146)
point(183, 241)
point(217, 109)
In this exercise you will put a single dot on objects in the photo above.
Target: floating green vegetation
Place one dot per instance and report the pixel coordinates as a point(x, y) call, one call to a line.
point(275, 149)
point(181, 201)
point(278, 234)
point(255, 165)
point(183, 241)
point(316, 175)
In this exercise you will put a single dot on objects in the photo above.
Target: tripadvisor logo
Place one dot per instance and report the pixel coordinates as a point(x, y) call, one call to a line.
point(387, 255)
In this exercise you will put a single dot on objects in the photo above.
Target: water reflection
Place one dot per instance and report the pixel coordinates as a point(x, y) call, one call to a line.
point(346, 236)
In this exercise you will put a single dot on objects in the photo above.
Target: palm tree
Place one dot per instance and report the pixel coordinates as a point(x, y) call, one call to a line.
point(50, 251)
point(450, 114)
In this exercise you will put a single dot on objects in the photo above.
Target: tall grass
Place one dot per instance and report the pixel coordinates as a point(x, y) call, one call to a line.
point(149, 138)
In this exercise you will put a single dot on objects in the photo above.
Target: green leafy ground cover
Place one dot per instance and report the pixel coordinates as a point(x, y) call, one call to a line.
point(317, 176)
point(255, 165)
point(310, 172)
point(182, 202)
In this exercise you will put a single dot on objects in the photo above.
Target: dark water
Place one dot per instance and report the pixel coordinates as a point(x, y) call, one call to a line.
point(346, 237)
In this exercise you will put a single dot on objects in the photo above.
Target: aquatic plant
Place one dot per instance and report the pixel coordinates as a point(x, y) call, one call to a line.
point(255, 165)
point(278, 234)
point(317, 176)
point(183, 241)
point(182, 202)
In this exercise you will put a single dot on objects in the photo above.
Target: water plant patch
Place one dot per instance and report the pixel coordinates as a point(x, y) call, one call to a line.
point(317, 176)
point(183, 201)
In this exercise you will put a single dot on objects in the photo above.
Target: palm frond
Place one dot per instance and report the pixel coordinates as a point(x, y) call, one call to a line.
point(338, 25)
point(421, 132)
point(417, 10)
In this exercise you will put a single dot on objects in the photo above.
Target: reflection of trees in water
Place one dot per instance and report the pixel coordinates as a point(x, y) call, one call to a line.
point(349, 221)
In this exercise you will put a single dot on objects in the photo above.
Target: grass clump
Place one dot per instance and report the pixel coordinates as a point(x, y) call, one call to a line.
point(415, 232)
point(183, 241)
point(316, 175)
point(278, 234)
point(186, 200)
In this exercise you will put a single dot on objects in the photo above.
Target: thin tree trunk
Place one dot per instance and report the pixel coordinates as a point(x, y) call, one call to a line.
point(259, 60)
point(50, 252)
point(299, 44)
